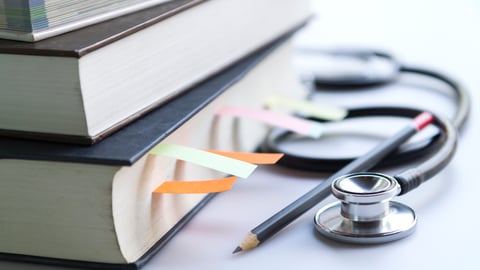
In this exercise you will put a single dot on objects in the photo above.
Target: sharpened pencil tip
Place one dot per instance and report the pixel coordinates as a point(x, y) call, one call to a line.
point(249, 242)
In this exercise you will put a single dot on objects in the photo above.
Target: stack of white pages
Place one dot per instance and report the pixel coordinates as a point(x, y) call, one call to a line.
point(31, 20)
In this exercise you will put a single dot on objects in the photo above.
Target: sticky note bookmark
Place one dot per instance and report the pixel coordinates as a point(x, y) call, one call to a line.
point(200, 186)
point(322, 111)
point(255, 158)
point(234, 163)
point(206, 159)
point(295, 124)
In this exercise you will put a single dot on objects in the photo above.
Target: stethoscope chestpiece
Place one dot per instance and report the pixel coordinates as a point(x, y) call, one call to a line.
point(365, 213)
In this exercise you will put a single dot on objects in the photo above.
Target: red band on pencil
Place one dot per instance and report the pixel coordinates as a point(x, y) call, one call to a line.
point(423, 120)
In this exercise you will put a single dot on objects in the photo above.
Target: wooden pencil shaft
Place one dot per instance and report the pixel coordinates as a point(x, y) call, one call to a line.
point(321, 191)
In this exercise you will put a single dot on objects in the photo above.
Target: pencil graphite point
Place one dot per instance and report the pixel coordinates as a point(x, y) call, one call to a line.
point(249, 242)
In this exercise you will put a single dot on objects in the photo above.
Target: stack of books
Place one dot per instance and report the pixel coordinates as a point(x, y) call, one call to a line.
point(79, 112)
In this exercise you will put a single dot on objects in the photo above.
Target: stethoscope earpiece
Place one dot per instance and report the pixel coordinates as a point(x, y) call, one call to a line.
point(365, 213)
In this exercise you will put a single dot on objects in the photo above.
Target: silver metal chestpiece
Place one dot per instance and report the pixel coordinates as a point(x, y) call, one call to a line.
point(365, 213)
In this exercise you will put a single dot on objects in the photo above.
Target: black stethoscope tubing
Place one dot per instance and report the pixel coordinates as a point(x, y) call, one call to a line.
point(406, 153)
point(462, 99)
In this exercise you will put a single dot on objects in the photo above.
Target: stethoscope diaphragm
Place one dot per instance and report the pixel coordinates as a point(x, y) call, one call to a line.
point(365, 213)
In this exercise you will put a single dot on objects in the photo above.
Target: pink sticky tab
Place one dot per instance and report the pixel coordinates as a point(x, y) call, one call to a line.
point(295, 124)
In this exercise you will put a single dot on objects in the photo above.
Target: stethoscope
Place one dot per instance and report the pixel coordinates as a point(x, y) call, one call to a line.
point(365, 212)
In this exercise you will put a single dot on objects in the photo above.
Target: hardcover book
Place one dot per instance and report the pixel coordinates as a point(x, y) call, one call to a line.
point(84, 85)
point(93, 207)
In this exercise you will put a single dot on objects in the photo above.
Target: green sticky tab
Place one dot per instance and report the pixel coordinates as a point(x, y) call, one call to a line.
point(322, 111)
point(206, 159)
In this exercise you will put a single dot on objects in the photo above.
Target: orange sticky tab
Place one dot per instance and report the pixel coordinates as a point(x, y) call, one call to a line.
point(255, 158)
point(202, 186)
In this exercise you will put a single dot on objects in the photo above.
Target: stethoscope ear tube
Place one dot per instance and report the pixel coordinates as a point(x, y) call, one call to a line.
point(406, 153)
point(462, 98)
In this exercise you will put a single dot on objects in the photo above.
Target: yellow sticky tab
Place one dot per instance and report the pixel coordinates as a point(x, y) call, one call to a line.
point(201, 186)
point(255, 158)
point(322, 111)
point(206, 159)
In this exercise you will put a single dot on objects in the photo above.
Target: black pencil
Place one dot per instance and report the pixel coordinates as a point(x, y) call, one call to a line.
point(288, 214)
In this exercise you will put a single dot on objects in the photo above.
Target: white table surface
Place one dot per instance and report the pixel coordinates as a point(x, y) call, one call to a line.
point(443, 35)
